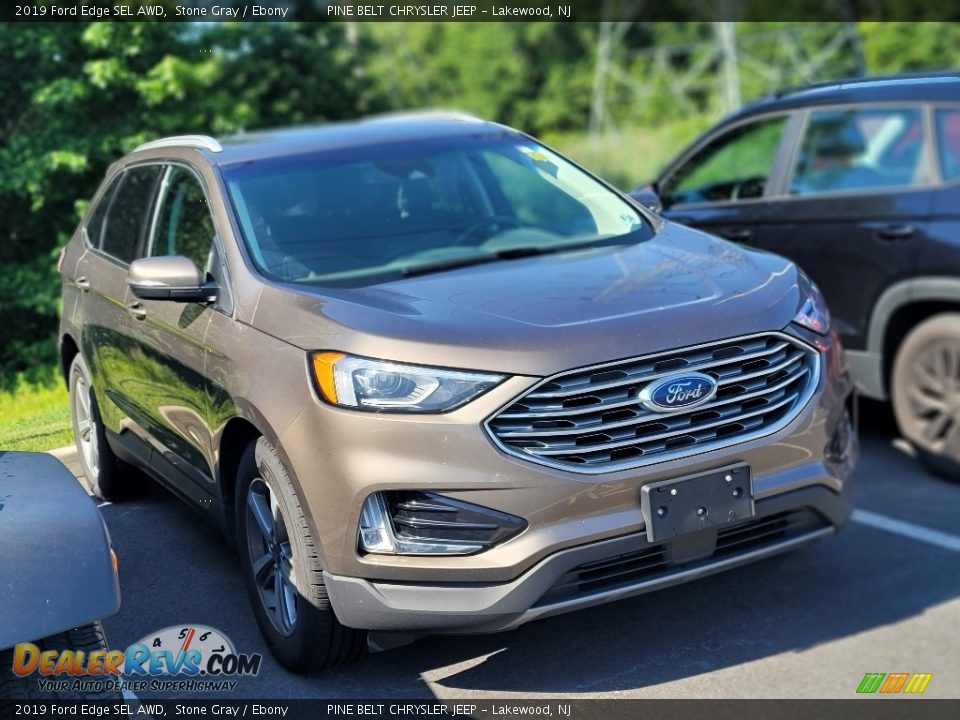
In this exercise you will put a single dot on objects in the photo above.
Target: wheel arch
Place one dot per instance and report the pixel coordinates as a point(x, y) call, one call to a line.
point(903, 320)
point(900, 308)
point(68, 350)
point(238, 433)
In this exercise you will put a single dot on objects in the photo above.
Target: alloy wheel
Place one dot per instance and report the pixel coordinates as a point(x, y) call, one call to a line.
point(86, 425)
point(271, 557)
point(933, 393)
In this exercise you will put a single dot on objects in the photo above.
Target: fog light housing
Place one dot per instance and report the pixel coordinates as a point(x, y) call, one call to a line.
point(420, 523)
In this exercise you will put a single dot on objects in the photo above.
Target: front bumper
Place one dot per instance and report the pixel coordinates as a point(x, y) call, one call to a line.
point(573, 519)
point(585, 576)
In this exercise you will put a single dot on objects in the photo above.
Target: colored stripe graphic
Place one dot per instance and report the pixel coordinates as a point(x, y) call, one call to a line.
point(918, 682)
point(870, 683)
point(894, 683)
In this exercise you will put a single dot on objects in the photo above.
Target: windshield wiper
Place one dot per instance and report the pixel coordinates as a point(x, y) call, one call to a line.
point(509, 253)
point(449, 264)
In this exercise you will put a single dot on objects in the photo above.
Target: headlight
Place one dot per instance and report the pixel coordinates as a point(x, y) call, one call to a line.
point(813, 313)
point(367, 384)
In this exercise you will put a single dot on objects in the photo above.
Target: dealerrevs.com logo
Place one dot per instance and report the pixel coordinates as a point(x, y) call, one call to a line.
point(191, 658)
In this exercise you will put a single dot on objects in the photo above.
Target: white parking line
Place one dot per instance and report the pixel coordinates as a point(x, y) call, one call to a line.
point(909, 530)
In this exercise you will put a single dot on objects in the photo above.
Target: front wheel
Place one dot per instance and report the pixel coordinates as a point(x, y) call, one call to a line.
point(926, 393)
point(89, 638)
point(283, 571)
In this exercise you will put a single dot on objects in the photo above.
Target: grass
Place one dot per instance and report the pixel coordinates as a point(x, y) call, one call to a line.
point(630, 157)
point(35, 417)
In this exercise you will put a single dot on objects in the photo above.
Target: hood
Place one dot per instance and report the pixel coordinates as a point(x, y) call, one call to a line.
point(539, 315)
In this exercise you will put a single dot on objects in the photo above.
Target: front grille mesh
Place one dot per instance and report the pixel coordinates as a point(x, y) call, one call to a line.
point(591, 420)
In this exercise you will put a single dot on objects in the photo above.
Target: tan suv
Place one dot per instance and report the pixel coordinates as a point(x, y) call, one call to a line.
point(434, 377)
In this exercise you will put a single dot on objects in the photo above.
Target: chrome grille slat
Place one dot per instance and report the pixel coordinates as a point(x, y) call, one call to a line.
point(640, 439)
point(629, 402)
point(633, 379)
point(766, 371)
point(763, 382)
point(627, 386)
point(646, 417)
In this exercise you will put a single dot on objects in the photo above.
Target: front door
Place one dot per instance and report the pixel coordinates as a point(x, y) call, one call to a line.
point(172, 392)
point(721, 186)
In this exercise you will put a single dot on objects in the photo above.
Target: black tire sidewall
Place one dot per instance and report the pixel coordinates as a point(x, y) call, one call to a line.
point(87, 638)
point(316, 632)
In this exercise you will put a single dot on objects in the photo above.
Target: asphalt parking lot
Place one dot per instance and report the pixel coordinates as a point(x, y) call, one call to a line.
point(883, 596)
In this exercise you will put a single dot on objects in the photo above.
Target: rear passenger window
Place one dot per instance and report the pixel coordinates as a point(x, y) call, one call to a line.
point(129, 214)
point(860, 149)
point(94, 226)
point(948, 140)
point(185, 226)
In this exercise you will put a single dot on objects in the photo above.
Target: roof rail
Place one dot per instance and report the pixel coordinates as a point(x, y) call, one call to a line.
point(907, 76)
point(204, 142)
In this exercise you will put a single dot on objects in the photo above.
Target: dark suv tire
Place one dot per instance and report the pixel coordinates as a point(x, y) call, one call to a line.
point(88, 638)
point(926, 393)
point(283, 570)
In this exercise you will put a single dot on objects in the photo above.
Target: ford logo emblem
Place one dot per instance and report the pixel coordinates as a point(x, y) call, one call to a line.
point(682, 391)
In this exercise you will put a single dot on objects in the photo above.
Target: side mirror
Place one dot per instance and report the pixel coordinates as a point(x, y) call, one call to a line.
point(647, 196)
point(169, 277)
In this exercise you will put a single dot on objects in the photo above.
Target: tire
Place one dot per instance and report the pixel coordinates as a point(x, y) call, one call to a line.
point(303, 634)
point(108, 477)
point(87, 638)
point(926, 393)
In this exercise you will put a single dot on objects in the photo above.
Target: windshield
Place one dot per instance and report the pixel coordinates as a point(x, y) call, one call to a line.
point(352, 217)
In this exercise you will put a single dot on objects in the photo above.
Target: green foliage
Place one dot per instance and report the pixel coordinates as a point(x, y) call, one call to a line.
point(536, 76)
point(77, 96)
point(35, 415)
point(633, 156)
point(903, 46)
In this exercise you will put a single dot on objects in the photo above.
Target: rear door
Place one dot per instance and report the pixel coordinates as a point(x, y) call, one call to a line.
point(853, 208)
point(116, 234)
point(722, 184)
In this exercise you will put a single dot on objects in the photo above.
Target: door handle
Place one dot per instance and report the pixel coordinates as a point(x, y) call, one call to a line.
point(737, 234)
point(82, 283)
point(137, 310)
point(896, 232)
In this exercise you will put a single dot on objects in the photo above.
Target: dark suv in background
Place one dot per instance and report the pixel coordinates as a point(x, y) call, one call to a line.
point(857, 182)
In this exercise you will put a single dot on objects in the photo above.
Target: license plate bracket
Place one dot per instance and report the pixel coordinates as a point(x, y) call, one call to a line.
point(680, 506)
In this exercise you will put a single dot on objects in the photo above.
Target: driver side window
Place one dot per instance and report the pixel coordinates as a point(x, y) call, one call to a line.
point(185, 226)
point(732, 167)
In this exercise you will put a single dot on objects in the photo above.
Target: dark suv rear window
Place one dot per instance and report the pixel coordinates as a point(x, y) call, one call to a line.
point(126, 222)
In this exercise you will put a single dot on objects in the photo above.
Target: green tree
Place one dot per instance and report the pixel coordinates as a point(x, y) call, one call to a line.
point(536, 76)
point(77, 96)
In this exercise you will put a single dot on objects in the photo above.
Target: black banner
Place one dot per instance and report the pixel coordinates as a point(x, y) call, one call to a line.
point(476, 10)
point(874, 708)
